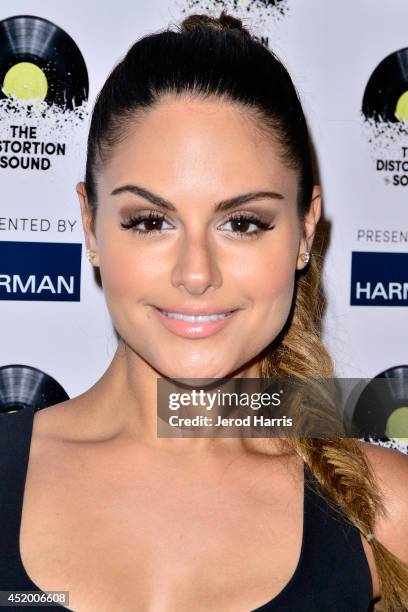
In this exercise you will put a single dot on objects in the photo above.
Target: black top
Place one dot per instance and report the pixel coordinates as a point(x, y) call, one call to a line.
point(332, 574)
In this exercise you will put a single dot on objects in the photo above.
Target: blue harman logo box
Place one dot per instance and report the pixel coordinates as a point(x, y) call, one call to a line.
point(379, 279)
point(45, 271)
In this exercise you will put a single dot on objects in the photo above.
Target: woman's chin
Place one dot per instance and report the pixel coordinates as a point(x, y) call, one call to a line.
point(195, 374)
point(196, 366)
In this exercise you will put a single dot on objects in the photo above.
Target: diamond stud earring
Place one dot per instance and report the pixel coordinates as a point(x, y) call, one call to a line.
point(90, 254)
point(305, 257)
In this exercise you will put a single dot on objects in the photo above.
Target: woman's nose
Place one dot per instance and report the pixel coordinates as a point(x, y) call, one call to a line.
point(196, 267)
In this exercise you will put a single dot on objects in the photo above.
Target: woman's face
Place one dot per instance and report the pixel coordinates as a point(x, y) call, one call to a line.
point(185, 163)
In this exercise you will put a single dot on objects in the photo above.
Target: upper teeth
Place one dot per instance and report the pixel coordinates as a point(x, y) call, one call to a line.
point(195, 318)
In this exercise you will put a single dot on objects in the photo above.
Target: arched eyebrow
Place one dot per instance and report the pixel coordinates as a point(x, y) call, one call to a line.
point(222, 206)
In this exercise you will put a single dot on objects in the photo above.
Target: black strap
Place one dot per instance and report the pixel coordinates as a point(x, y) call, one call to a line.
point(15, 433)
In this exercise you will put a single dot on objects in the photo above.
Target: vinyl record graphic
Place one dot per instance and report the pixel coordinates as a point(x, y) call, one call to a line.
point(22, 386)
point(39, 61)
point(382, 408)
point(386, 95)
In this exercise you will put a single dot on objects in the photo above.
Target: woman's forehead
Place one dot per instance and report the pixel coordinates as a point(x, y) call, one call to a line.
point(183, 141)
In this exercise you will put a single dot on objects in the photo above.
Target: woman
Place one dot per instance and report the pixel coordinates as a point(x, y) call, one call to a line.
point(199, 199)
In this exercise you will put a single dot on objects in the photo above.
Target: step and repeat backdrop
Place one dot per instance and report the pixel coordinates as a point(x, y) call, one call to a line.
point(349, 62)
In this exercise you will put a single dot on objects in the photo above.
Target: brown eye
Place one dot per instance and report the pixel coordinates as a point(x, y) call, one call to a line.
point(152, 223)
point(242, 223)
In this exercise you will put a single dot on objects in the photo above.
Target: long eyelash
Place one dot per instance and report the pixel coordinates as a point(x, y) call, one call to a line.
point(263, 227)
point(134, 221)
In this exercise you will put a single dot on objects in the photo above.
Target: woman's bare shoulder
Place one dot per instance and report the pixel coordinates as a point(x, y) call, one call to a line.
point(61, 421)
point(390, 468)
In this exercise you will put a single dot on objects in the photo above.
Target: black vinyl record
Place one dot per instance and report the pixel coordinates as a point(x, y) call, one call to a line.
point(37, 54)
point(22, 386)
point(387, 84)
point(380, 398)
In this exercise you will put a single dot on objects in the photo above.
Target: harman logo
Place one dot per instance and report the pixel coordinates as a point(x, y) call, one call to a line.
point(379, 279)
point(47, 271)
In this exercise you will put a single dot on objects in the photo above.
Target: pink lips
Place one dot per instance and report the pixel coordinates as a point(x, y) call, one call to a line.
point(187, 329)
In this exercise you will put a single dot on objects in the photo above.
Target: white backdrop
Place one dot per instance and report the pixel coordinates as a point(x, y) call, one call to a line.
point(331, 49)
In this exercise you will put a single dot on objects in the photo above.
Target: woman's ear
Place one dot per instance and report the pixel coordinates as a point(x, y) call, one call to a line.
point(86, 215)
point(310, 222)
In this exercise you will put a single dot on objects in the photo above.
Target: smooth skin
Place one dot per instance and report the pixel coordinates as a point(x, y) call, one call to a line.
point(124, 519)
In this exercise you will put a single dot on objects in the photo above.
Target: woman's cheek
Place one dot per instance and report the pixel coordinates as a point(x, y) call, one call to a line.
point(274, 295)
point(117, 260)
point(116, 274)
